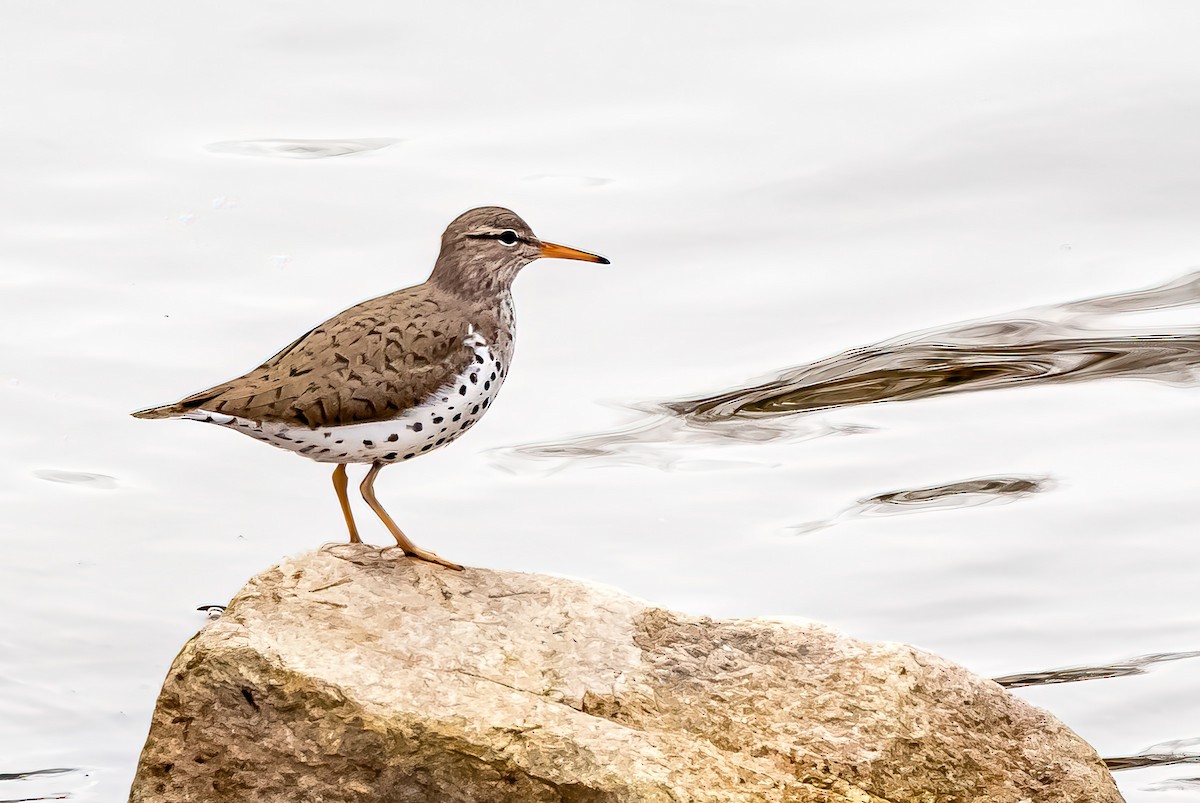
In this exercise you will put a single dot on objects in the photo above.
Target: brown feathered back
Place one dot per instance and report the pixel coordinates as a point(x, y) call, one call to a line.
point(365, 364)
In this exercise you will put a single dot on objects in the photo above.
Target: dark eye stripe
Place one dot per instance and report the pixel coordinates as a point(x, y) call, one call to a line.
point(516, 237)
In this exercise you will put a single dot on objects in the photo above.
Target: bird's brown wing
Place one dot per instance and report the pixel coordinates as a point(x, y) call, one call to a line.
point(369, 363)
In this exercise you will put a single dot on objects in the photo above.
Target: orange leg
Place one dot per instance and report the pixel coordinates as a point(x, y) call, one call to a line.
point(410, 549)
point(339, 485)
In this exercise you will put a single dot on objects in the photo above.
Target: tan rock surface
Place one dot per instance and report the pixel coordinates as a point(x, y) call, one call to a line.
point(347, 675)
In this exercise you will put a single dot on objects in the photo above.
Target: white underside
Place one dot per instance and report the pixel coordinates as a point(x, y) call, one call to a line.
point(444, 416)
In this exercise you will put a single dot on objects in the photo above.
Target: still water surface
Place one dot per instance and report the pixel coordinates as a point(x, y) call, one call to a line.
point(900, 332)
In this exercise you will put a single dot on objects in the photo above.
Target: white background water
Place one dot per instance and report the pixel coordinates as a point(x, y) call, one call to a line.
point(773, 182)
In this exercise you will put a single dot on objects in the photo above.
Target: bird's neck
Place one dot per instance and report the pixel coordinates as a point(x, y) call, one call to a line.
point(471, 294)
point(473, 279)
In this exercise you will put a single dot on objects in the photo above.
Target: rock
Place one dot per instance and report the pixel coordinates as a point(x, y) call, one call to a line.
point(353, 675)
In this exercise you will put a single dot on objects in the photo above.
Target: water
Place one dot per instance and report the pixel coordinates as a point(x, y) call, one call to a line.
point(809, 194)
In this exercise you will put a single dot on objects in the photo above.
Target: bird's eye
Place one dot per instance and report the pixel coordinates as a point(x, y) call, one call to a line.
point(508, 237)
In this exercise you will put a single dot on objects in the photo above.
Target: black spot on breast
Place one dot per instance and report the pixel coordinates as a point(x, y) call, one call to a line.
point(475, 410)
point(427, 447)
point(417, 427)
point(474, 378)
point(487, 385)
point(456, 417)
point(479, 359)
point(462, 391)
point(390, 456)
point(337, 441)
point(440, 441)
point(368, 443)
point(493, 376)
point(282, 437)
point(437, 419)
point(409, 456)
point(485, 402)
point(307, 449)
point(393, 437)
point(497, 365)
point(330, 434)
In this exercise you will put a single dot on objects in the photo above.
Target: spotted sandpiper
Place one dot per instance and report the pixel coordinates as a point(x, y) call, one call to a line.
point(395, 377)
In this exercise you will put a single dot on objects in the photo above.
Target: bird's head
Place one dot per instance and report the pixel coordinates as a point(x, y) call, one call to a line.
point(483, 249)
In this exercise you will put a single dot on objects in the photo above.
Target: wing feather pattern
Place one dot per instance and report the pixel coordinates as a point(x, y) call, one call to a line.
point(368, 363)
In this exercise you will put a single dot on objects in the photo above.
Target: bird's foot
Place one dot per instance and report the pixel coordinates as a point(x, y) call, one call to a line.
point(430, 557)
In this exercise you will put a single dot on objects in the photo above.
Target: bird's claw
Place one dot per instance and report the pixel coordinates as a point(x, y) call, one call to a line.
point(430, 557)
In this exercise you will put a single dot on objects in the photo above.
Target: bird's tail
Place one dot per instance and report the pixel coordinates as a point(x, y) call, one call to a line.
point(166, 411)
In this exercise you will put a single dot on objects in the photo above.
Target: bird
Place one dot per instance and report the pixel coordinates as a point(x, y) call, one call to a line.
point(394, 377)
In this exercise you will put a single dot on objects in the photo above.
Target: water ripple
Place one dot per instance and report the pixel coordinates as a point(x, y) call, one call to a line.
point(21, 776)
point(76, 478)
point(1163, 754)
point(1050, 345)
point(952, 496)
point(300, 148)
point(1118, 669)
point(659, 440)
point(33, 776)
point(1072, 342)
point(1174, 785)
point(1142, 760)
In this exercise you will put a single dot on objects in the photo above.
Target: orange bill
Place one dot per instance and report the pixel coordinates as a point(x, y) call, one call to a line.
point(555, 251)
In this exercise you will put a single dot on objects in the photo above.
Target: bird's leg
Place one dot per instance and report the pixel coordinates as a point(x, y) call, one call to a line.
point(411, 549)
point(339, 485)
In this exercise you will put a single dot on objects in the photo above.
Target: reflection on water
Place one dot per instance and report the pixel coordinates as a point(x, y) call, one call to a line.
point(300, 148)
point(1072, 342)
point(1118, 669)
point(954, 495)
